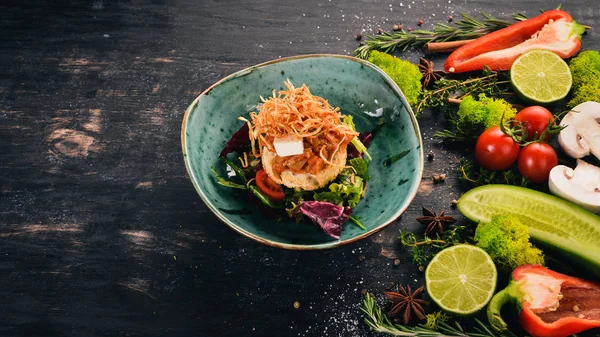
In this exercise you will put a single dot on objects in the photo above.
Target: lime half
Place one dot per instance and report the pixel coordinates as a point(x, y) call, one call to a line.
point(541, 76)
point(461, 279)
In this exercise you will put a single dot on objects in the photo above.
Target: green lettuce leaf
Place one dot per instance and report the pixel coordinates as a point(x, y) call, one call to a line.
point(361, 166)
point(346, 190)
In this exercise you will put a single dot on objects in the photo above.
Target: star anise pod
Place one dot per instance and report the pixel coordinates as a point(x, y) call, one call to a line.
point(429, 75)
point(407, 301)
point(435, 221)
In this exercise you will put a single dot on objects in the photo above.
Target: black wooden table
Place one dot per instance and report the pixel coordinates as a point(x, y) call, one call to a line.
point(101, 231)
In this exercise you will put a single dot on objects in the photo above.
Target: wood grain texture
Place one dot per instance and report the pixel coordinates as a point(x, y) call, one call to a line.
point(101, 231)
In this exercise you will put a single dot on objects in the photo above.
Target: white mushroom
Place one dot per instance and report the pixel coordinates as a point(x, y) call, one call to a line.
point(581, 135)
point(580, 186)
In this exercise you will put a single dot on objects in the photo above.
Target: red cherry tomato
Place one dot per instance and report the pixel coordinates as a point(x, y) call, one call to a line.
point(268, 187)
point(536, 160)
point(535, 119)
point(495, 150)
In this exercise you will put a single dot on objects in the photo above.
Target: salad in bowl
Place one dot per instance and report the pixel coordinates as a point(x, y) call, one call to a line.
point(300, 157)
point(305, 152)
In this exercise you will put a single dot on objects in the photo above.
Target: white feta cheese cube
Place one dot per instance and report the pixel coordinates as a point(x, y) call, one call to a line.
point(288, 146)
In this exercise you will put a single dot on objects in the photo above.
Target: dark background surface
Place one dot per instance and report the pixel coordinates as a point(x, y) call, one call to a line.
point(101, 231)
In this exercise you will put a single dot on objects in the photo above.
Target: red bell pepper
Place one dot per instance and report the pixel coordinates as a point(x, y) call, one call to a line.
point(552, 30)
point(552, 304)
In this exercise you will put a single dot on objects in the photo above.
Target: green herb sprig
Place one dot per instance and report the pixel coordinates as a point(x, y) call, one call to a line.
point(422, 250)
point(379, 322)
point(491, 83)
point(467, 28)
point(474, 175)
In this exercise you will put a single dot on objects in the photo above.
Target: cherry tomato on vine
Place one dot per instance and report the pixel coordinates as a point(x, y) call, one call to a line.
point(536, 160)
point(495, 150)
point(268, 187)
point(535, 120)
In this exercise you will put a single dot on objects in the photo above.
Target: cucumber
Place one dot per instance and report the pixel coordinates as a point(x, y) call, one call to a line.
point(553, 223)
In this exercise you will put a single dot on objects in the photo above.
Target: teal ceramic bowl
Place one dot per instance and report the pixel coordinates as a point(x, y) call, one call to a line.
point(360, 89)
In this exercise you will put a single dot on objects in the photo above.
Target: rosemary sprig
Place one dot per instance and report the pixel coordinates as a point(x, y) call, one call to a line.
point(379, 322)
point(467, 28)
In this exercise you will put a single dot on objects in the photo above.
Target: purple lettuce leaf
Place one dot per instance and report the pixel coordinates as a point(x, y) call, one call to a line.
point(239, 142)
point(329, 216)
point(365, 138)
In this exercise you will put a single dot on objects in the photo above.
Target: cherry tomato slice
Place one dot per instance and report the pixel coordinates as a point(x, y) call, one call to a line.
point(496, 151)
point(268, 187)
point(535, 120)
point(536, 160)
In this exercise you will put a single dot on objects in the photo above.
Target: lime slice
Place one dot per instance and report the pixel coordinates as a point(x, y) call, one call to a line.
point(541, 76)
point(461, 279)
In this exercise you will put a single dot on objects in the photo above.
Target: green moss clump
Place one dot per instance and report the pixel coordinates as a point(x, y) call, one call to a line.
point(474, 115)
point(585, 69)
point(406, 75)
point(506, 239)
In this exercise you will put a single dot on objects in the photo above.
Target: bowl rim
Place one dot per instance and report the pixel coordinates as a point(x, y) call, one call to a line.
point(332, 244)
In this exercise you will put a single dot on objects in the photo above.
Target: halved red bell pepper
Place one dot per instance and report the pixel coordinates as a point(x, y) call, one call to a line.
point(552, 304)
point(553, 30)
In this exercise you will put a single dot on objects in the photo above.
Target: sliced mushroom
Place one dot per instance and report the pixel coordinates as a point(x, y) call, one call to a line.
point(581, 135)
point(580, 186)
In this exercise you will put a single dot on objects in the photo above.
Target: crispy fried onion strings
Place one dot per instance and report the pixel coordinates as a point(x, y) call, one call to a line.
point(296, 111)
